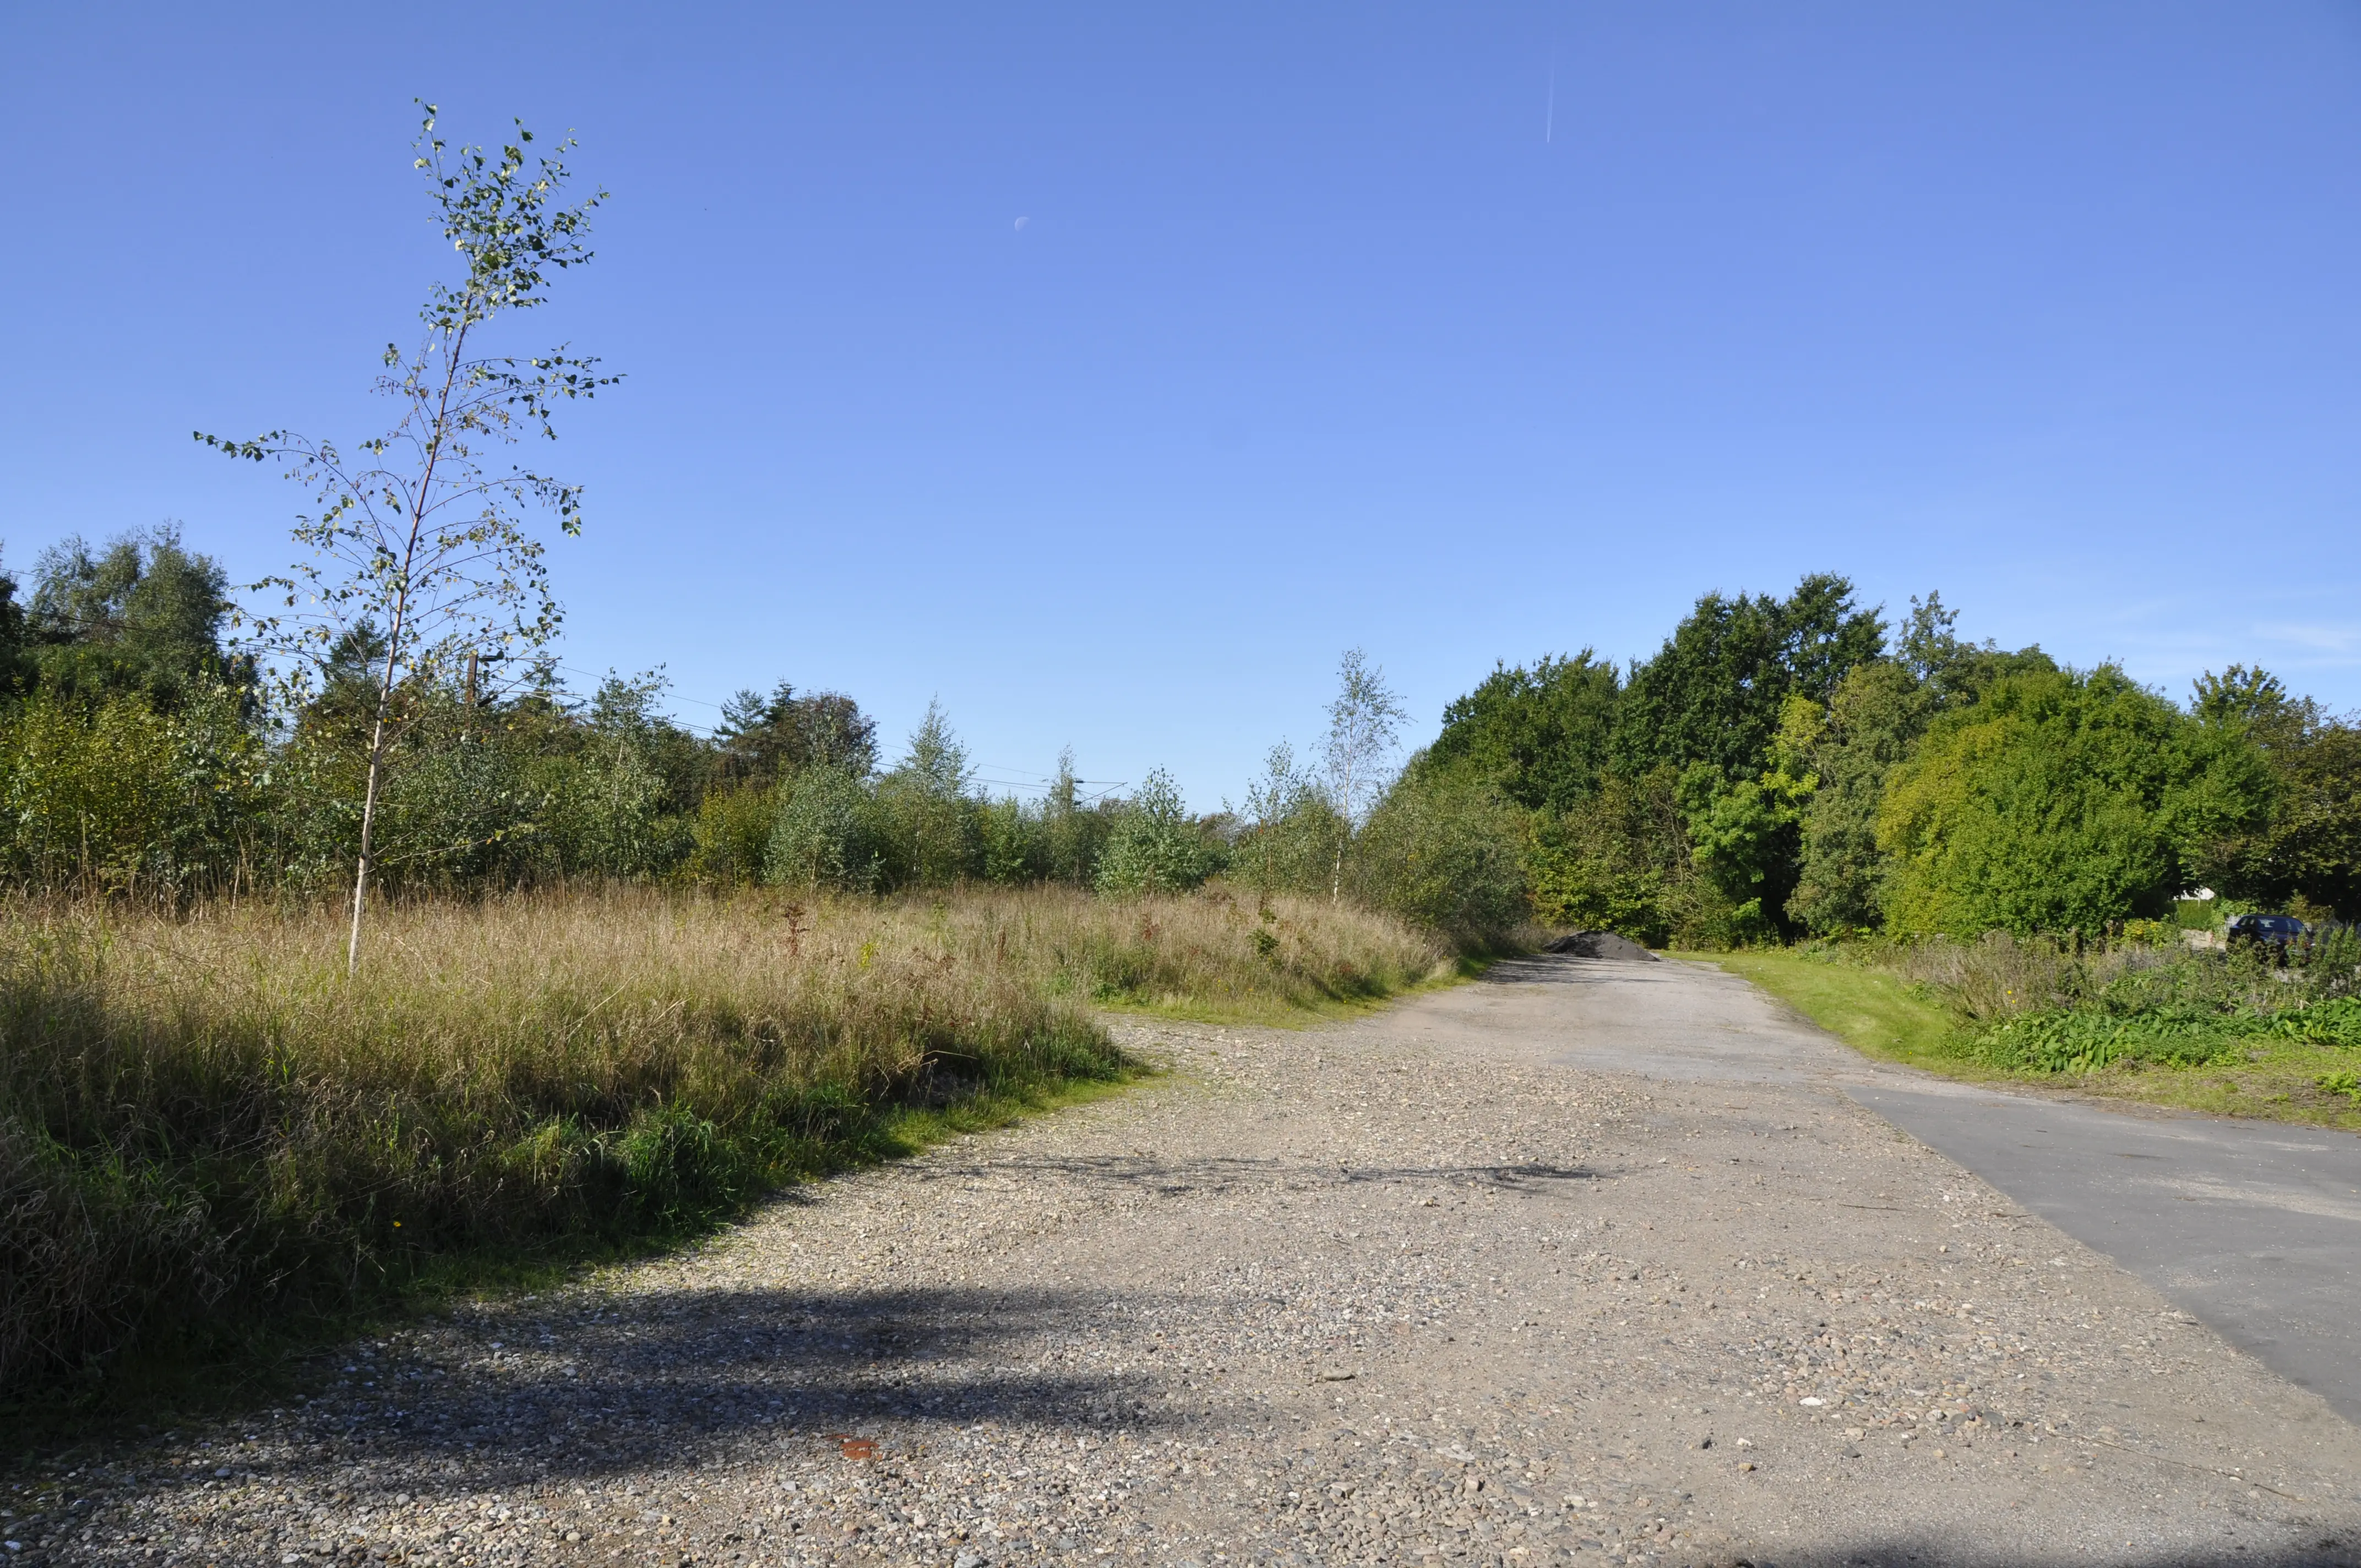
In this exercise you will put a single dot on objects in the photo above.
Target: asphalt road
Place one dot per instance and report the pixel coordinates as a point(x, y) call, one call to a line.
point(2253, 1227)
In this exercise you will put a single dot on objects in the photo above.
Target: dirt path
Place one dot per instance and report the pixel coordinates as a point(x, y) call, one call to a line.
point(1419, 1289)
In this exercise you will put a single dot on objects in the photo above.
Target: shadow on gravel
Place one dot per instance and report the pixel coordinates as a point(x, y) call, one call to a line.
point(1180, 1177)
point(2324, 1549)
point(678, 1379)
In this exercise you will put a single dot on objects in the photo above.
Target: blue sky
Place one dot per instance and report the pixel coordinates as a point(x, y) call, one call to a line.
point(1106, 370)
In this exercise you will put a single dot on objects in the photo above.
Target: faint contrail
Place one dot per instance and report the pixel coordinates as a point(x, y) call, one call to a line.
point(1549, 120)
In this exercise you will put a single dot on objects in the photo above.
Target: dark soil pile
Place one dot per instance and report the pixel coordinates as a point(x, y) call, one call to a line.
point(1600, 945)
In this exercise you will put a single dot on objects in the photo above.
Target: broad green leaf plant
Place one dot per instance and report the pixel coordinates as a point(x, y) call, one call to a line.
point(424, 536)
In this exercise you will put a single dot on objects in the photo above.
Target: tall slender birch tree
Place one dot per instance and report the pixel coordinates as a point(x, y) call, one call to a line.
point(1362, 723)
point(424, 536)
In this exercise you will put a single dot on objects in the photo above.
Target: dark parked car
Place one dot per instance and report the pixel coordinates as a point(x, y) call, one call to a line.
point(2277, 932)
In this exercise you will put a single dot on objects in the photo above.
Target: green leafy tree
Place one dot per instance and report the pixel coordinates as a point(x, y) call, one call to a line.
point(1074, 830)
point(1620, 860)
point(121, 798)
point(422, 534)
point(17, 672)
point(2060, 801)
point(1877, 714)
point(1288, 836)
point(142, 617)
point(936, 837)
point(763, 740)
point(1444, 851)
point(1743, 834)
point(1155, 846)
point(830, 832)
point(1714, 693)
point(1543, 736)
point(616, 807)
point(2308, 849)
point(1364, 719)
point(1709, 705)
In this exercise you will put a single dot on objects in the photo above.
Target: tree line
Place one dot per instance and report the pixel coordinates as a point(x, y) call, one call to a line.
point(1795, 766)
point(141, 755)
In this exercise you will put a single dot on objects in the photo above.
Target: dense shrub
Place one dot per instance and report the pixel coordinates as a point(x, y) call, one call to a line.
point(1155, 846)
point(1445, 851)
point(2059, 802)
point(830, 832)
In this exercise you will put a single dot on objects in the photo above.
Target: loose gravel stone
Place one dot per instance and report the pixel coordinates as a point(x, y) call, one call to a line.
point(1397, 1291)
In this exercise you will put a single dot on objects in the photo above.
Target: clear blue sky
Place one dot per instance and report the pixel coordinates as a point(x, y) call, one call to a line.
point(1457, 332)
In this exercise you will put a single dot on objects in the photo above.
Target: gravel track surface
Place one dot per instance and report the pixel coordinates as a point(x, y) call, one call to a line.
point(1412, 1290)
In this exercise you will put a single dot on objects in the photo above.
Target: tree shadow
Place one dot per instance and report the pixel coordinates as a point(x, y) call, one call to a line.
point(1219, 1174)
point(2318, 1548)
point(582, 1387)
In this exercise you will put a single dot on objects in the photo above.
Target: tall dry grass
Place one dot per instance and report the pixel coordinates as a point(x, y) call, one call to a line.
point(203, 1124)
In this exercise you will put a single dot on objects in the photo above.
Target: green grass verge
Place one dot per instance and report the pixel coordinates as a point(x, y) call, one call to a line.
point(1882, 1016)
point(1871, 1011)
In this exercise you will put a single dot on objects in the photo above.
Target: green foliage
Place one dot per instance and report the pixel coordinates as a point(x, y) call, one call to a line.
point(142, 618)
point(1287, 841)
point(613, 809)
point(764, 739)
point(1879, 711)
point(1745, 834)
point(126, 799)
point(1155, 846)
point(1621, 861)
point(1541, 736)
point(1443, 851)
point(733, 833)
point(830, 832)
point(2058, 802)
point(2084, 1042)
point(1713, 695)
point(930, 821)
point(2309, 848)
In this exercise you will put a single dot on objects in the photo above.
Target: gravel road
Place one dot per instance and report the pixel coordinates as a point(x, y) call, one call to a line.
point(1479, 1280)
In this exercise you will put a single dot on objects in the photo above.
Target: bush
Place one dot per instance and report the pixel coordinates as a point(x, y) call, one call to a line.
point(733, 833)
point(828, 833)
point(1621, 861)
point(123, 799)
point(2059, 802)
point(1155, 846)
point(1445, 851)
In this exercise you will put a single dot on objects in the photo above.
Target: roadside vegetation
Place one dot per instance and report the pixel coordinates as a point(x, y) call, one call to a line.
point(206, 1125)
point(1973, 859)
point(2144, 1017)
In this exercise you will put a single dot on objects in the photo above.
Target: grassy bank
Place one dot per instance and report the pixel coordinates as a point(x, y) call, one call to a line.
point(2208, 1032)
point(205, 1129)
